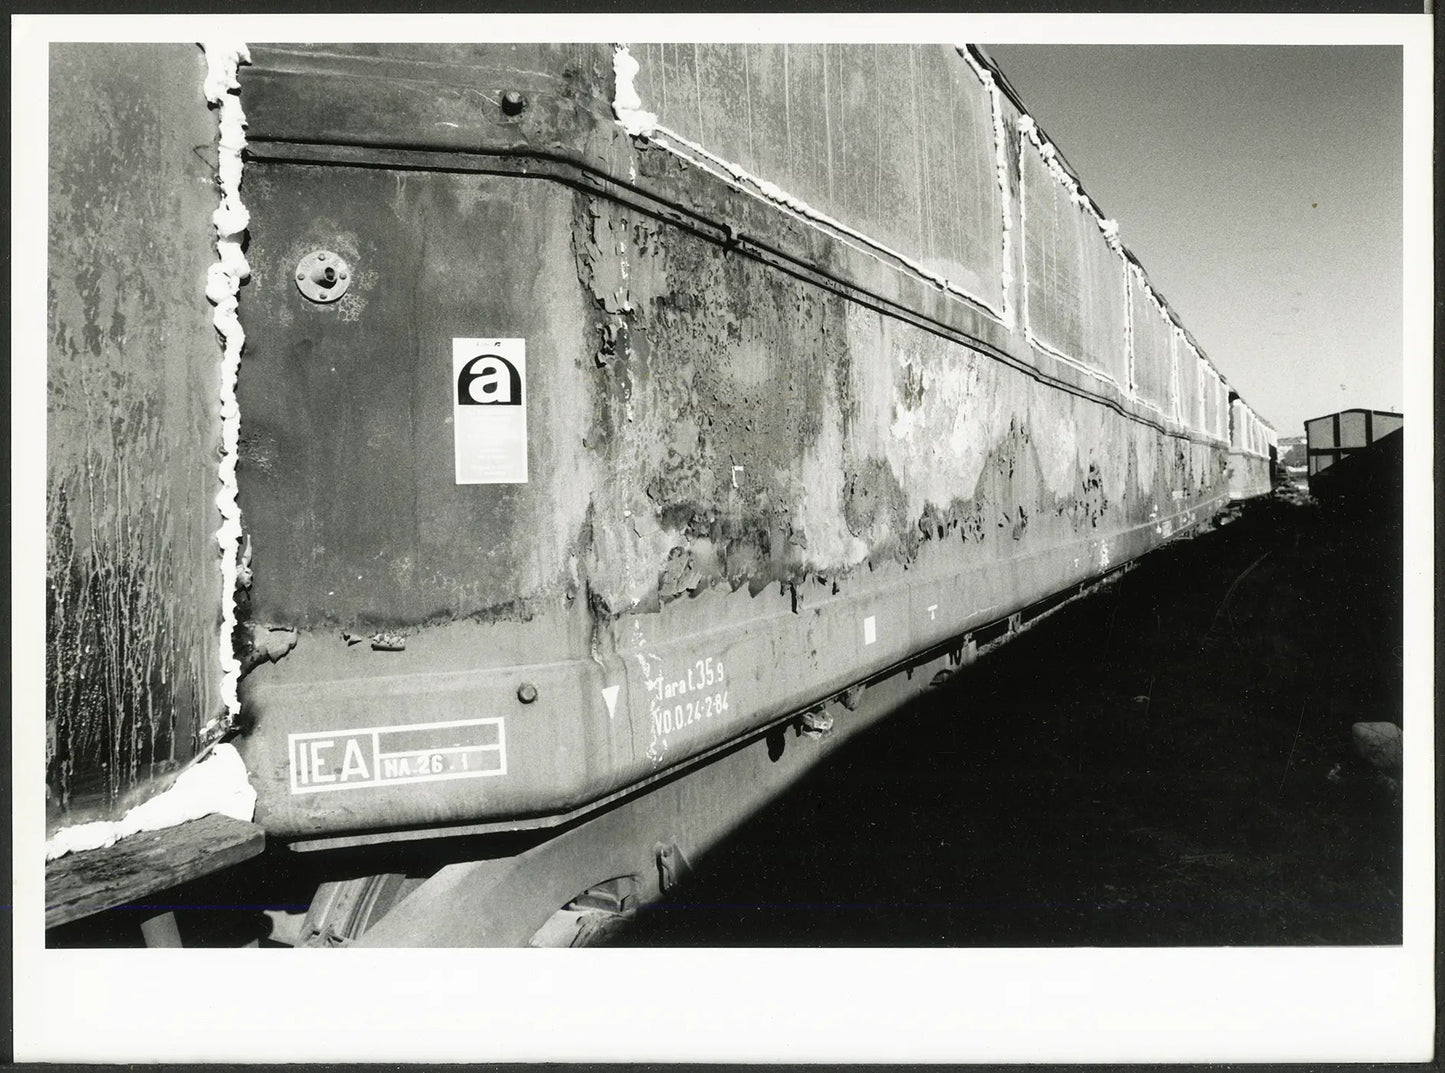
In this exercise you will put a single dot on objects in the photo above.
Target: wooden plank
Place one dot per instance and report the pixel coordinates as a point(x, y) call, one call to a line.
point(80, 884)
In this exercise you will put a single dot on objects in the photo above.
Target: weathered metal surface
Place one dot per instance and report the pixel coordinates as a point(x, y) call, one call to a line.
point(432, 96)
point(1191, 401)
point(1215, 403)
point(1073, 283)
point(1152, 340)
point(763, 463)
point(132, 586)
point(347, 482)
point(894, 140)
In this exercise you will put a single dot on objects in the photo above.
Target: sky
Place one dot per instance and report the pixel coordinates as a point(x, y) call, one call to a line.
point(1260, 187)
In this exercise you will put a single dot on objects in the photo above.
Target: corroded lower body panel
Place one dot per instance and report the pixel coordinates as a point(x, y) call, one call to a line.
point(657, 690)
point(746, 492)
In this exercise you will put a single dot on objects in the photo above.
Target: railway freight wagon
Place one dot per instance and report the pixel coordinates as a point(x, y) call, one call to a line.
point(1335, 437)
point(606, 434)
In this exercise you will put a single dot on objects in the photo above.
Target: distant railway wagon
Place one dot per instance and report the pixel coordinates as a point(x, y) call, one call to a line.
point(1334, 437)
point(614, 430)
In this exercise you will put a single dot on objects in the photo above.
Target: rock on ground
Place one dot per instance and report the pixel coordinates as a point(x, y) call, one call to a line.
point(1380, 744)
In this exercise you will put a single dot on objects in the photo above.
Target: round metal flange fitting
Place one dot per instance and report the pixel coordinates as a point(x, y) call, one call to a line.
point(323, 276)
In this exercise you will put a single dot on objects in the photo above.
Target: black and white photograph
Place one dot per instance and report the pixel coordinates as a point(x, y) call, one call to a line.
point(893, 538)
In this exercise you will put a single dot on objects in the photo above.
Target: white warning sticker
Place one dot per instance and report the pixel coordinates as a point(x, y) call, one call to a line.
point(489, 410)
point(382, 756)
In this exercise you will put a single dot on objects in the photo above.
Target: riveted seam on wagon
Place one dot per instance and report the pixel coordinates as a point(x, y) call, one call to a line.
point(223, 283)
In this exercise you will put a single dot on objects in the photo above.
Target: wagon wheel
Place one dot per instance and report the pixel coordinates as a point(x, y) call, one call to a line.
point(343, 910)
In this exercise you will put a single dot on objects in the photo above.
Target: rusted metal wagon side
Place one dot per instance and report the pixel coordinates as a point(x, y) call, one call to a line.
point(623, 429)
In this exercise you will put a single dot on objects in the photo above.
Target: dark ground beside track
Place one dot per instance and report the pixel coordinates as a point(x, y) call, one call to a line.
point(1149, 767)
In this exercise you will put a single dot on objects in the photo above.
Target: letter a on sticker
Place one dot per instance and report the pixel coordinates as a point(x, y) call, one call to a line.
point(609, 694)
point(489, 380)
point(488, 390)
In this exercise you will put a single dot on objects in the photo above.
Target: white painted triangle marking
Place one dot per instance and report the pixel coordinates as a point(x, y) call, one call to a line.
point(609, 694)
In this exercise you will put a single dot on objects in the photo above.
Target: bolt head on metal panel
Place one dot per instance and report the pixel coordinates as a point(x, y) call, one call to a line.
point(513, 102)
point(323, 276)
point(526, 692)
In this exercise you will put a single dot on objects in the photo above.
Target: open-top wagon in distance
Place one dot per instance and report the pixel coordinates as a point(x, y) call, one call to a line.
point(605, 435)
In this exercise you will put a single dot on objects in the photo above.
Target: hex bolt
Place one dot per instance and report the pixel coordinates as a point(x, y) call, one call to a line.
point(526, 692)
point(513, 102)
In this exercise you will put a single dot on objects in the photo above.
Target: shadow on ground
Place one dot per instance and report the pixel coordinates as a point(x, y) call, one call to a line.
point(1166, 763)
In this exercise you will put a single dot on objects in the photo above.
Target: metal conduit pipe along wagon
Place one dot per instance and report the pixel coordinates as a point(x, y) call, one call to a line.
point(620, 430)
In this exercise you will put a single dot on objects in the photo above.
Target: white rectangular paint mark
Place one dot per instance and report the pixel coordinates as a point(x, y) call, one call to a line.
point(870, 630)
point(488, 390)
point(384, 756)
